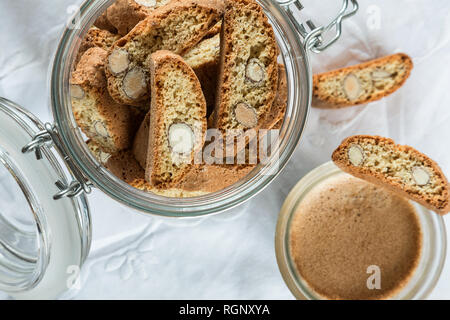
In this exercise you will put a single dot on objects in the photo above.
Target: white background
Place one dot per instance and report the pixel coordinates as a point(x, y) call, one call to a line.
point(232, 255)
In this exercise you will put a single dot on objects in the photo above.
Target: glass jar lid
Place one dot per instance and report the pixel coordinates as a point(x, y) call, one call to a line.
point(43, 241)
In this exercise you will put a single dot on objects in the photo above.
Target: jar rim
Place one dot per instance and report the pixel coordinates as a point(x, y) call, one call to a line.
point(299, 88)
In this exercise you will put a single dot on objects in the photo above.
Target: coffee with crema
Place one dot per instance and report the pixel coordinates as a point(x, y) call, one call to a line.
point(350, 239)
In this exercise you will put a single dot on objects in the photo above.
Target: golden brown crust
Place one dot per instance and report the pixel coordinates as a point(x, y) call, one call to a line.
point(323, 98)
point(394, 171)
point(177, 27)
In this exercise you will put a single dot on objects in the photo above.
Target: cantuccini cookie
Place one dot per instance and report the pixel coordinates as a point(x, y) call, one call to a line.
point(402, 169)
point(177, 119)
point(214, 30)
point(177, 27)
point(204, 60)
point(103, 23)
point(109, 124)
point(140, 143)
point(97, 152)
point(199, 180)
point(174, 192)
point(361, 83)
point(96, 37)
point(248, 67)
point(278, 109)
point(125, 167)
point(124, 15)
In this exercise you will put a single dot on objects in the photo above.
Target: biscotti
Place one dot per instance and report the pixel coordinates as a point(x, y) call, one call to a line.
point(108, 124)
point(204, 60)
point(402, 169)
point(103, 23)
point(177, 119)
point(124, 15)
point(361, 83)
point(97, 152)
point(140, 143)
point(195, 183)
point(214, 30)
point(248, 67)
point(214, 177)
point(200, 180)
point(174, 192)
point(278, 110)
point(96, 37)
point(177, 27)
point(124, 166)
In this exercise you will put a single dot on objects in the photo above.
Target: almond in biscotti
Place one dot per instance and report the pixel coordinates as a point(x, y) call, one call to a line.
point(361, 83)
point(118, 61)
point(255, 72)
point(246, 115)
point(107, 123)
point(402, 169)
point(248, 77)
point(177, 120)
point(352, 87)
point(177, 26)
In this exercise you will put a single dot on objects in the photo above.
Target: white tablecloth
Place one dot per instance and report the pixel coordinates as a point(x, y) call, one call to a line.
point(232, 255)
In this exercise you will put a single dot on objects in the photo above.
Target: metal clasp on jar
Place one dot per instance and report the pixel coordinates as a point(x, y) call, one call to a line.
point(50, 138)
point(313, 39)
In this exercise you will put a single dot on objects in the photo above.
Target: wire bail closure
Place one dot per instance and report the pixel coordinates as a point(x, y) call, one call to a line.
point(50, 138)
point(314, 38)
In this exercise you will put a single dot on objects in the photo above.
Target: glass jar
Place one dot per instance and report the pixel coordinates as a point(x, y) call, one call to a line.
point(61, 233)
point(294, 55)
point(422, 281)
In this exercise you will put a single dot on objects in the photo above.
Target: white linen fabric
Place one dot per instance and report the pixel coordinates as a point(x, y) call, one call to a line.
point(231, 255)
